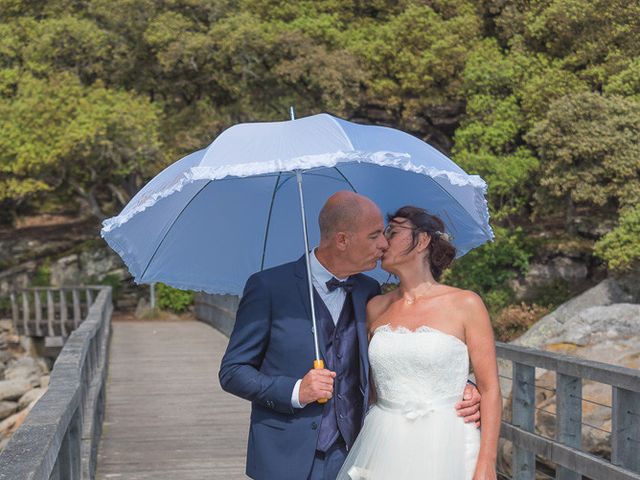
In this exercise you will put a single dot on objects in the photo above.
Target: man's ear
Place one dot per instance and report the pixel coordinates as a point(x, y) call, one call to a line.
point(342, 241)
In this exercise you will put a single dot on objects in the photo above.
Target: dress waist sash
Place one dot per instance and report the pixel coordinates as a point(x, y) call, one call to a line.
point(413, 409)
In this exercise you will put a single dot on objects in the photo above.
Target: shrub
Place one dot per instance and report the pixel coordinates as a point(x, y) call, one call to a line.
point(42, 277)
point(514, 320)
point(169, 298)
point(620, 248)
point(488, 269)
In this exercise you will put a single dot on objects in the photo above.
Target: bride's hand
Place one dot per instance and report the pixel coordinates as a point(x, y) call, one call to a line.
point(485, 471)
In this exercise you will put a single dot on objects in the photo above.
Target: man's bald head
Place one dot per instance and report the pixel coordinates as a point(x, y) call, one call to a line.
point(342, 213)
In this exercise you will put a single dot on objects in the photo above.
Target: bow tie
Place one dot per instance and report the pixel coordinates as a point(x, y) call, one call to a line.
point(334, 283)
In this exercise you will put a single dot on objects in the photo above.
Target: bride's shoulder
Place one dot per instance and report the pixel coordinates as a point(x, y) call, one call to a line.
point(378, 304)
point(461, 297)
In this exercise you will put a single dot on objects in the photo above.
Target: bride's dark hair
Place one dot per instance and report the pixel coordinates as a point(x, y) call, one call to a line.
point(440, 252)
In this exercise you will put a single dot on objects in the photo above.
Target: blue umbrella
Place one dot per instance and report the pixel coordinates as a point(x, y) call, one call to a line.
point(214, 217)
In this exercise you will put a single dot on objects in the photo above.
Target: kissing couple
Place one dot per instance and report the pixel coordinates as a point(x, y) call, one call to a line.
point(394, 401)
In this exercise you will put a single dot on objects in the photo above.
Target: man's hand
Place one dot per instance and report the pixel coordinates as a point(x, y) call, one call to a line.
point(469, 407)
point(316, 384)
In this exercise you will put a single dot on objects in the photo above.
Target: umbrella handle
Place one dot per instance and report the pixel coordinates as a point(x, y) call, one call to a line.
point(318, 365)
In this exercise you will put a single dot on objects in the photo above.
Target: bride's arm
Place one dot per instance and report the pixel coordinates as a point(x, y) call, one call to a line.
point(482, 352)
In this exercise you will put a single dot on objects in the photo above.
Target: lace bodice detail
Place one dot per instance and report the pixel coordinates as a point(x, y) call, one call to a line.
point(417, 365)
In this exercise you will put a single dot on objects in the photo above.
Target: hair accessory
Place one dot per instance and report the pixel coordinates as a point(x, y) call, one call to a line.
point(443, 235)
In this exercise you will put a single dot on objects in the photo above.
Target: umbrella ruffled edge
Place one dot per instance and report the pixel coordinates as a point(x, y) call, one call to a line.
point(306, 162)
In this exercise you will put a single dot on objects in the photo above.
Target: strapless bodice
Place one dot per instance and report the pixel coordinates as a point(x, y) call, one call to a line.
point(422, 365)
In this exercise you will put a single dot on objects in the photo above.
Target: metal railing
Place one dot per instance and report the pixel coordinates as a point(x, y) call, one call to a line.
point(59, 437)
point(565, 449)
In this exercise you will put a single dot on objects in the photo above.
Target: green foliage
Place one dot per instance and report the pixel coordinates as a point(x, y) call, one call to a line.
point(99, 143)
point(173, 299)
point(551, 295)
point(620, 248)
point(539, 98)
point(42, 277)
point(591, 150)
point(488, 269)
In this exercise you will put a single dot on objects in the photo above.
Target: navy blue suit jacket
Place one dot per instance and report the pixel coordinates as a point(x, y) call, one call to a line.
point(270, 348)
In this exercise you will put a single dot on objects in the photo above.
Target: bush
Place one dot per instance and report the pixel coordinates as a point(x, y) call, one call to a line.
point(488, 269)
point(176, 300)
point(42, 277)
point(514, 320)
point(620, 248)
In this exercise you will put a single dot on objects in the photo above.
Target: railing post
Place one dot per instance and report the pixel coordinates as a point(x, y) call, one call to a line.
point(51, 313)
point(69, 456)
point(524, 377)
point(25, 313)
point(625, 429)
point(568, 418)
point(77, 316)
point(15, 311)
point(38, 308)
point(63, 313)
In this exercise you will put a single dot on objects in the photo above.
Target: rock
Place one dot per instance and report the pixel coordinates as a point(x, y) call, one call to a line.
point(143, 309)
point(9, 425)
point(605, 293)
point(7, 409)
point(26, 368)
point(3, 443)
point(599, 325)
point(6, 326)
point(14, 389)
point(65, 271)
point(594, 324)
point(31, 396)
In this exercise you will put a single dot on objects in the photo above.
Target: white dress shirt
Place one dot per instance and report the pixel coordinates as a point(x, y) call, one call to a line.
point(333, 300)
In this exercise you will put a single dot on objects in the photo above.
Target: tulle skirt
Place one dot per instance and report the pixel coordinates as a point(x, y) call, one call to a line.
point(413, 441)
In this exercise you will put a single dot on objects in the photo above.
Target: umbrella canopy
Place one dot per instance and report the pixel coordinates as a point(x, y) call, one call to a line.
point(211, 219)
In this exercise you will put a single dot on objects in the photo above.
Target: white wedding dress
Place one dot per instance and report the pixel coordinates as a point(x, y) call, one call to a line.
point(413, 431)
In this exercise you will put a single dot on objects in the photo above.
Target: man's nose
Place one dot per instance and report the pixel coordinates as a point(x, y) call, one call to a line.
point(384, 245)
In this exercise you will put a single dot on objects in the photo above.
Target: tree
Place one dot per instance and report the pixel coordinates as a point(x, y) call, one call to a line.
point(590, 150)
point(620, 248)
point(93, 142)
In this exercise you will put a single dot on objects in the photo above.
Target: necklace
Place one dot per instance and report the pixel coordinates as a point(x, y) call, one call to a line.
point(411, 301)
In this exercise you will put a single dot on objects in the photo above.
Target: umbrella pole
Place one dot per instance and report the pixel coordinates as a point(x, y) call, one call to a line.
point(318, 362)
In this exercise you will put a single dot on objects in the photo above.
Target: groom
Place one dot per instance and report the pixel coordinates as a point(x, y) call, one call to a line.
point(270, 354)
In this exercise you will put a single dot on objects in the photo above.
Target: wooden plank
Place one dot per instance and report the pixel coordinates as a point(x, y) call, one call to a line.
point(625, 429)
point(63, 313)
point(38, 309)
point(568, 418)
point(25, 314)
point(614, 375)
point(15, 311)
point(51, 314)
point(593, 467)
point(524, 396)
point(168, 418)
point(77, 316)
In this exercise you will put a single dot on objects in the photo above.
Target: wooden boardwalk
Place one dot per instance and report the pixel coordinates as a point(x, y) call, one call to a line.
point(166, 415)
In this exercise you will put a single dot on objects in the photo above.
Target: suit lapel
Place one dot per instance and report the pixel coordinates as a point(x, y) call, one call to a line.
point(359, 296)
point(303, 290)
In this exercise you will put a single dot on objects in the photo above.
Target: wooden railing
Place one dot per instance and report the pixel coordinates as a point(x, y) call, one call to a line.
point(49, 311)
point(565, 449)
point(59, 437)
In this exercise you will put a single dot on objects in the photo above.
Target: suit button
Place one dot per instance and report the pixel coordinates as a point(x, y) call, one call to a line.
point(339, 355)
point(341, 416)
point(314, 426)
point(339, 396)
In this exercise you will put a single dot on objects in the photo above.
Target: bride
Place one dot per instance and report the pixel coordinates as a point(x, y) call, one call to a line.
point(422, 336)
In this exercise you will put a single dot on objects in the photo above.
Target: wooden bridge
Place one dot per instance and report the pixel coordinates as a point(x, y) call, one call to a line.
point(166, 416)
